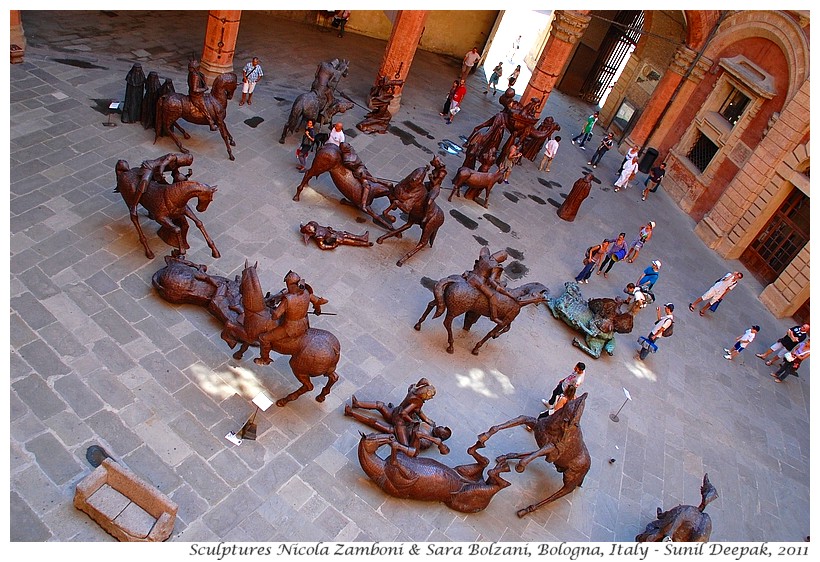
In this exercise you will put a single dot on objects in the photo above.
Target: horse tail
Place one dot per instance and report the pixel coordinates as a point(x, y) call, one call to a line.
point(438, 295)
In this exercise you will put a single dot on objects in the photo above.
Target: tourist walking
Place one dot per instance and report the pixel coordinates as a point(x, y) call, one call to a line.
point(495, 76)
point(251, 73)
point(630, 154)
point(592, 257)
point(602, 149)
point(644, 234)
point(340, 20)
point(792, 361)
point(586, 132)
point(469, 61)
point(550, 150)
point(513, 77)
point(627, 174)
point(794, 336)
point(741, 343)
point(445, 111)
point(655, 176)
point(716, 292)
point(512, 158)
point(650, 275)
point(305, 146)
point(616, 252)
point(455, 103)
point(576, 378)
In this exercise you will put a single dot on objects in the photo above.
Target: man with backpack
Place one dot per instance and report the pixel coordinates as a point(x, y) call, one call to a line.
point(662, 328)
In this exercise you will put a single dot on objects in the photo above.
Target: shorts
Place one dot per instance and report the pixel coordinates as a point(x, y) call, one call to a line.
point(712, 295)
point(493, 79)
point(780, 349)
point(247, 87)
point(739, 347)
point(637, 244)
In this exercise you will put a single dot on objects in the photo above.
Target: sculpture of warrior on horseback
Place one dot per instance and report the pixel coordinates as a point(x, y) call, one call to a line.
point(200, 107)
point(319, 104)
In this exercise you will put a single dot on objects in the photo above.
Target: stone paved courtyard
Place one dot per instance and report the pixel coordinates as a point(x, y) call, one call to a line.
point(97, 357)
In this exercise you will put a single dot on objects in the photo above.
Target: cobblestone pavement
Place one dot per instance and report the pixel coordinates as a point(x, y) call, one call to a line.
point(98, 358)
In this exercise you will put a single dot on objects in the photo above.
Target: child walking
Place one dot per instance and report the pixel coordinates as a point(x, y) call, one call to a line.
point(741, 343)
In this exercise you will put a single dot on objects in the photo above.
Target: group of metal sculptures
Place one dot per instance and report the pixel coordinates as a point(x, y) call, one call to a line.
point(250, 317)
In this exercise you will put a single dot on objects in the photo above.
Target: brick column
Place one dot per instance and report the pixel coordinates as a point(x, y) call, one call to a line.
point(663, 93)
point(567, 27)
point(401, 48)
point(17, 37)
point(220, 43)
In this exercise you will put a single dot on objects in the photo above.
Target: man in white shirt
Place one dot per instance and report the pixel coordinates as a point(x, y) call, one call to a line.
point(337, 135)
point(549, 153)
point(469, 62)
point(664, 321)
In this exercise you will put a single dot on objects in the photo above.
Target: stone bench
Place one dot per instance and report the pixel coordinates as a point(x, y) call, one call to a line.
point(127, 507)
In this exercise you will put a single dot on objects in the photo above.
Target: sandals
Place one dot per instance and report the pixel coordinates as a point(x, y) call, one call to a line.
point(691, 307)
point(702, 313)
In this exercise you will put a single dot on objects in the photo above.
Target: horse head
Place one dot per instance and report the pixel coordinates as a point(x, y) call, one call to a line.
point(204, 197)
point(560, 424)
point(253, 300)
point(224, 87)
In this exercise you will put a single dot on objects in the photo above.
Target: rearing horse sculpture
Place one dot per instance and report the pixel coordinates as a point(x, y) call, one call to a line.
point(172, 107)
point(168, 205)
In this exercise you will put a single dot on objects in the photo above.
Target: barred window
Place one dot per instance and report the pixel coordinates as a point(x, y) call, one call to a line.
point(702, 152)
point(734, 106)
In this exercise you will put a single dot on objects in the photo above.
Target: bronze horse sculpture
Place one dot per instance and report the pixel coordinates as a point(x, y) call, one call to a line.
point(319, 105)
point(329, 159)
point(172, 107)
point(417, 199)
point(560, 442)
point(168, 205)
point(683, 523)
point(406, 476)
point(248, 319)
point(456, 296)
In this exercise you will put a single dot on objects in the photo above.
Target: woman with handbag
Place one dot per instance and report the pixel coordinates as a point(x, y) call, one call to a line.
point(592, 257)
point(445, 111)
point(616, 252)
point(792, 360)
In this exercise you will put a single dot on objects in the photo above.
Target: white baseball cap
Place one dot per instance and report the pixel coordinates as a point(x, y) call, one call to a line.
point(652, 224)
point(657, 263)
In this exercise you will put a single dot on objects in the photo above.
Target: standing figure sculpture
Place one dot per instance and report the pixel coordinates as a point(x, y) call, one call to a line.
point(580, 191)
point(418, 200)
point(381, 95)
point(683, 523)
point(560, 441)
point(174, 106)
point(134, 90)
point(166, 203)
point(406, 422)
point(328, 238)
point(319, 104)
point(149, 102)
point(531, 145)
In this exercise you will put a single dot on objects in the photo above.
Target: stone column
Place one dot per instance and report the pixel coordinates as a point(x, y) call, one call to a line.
point(663, 93)
point(220, 43)
point(17, 38)
point(401, 48)
point(567, 27)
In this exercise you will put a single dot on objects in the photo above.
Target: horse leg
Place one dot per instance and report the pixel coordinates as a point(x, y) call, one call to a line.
point(311, 173)
point(429, 309)
point(185, 134)
point(307, 386)
point(411, 253)
point(520, 420)
point(135, 219)
point(332, 378)
point(190, 214)
point(241, 351)
point(397, 232)
point(223, 130)
point(565, 489)
point(170, 131)
point(491, 334)
point(175, 231)
point(448, 323)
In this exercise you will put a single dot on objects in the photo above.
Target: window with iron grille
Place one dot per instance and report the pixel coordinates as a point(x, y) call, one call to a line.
point(702, 152)
point(734, 105)
point(785, 234)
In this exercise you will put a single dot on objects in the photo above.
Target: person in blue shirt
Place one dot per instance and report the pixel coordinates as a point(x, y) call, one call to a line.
point(650, 275)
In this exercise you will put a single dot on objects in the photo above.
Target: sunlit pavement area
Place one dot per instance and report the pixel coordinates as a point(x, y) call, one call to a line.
point(97, 357)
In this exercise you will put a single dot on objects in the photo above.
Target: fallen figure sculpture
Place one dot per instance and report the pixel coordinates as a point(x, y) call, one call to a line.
point(560, 442)
point(683, 523)
point(272, 323)
point(597, 319)
point(407, 476)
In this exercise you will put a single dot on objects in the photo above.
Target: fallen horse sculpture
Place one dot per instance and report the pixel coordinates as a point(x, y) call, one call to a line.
point(683, 523)
point(407, 476)
point(597, 319)
point(272, 323)
point(560, 442)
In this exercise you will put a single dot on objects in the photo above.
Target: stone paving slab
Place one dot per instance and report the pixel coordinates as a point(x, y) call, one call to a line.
point(98, 358)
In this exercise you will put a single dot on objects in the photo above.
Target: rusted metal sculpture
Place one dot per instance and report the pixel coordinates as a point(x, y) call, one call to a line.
point(351, 178)
point(580, 191)
point(476, 182)
point(273, 323)
point(175, 106)
point(478, 293)
point(406, 476)
point(418, 199)
point(319, 104)
point(166, 203)
point(381, 95)
point(560, 442)
point(149, 101)
point(134, 89)
point(406, 422)
point(683, 523)
point(328, 238)
point(597, 319)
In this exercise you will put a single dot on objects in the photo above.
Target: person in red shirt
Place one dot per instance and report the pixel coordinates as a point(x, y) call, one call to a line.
point(455, 104)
